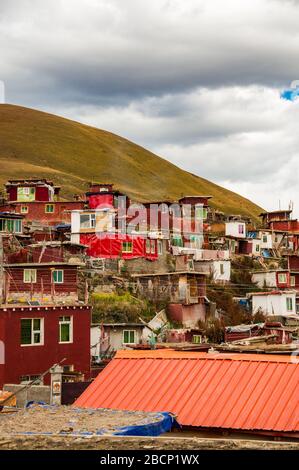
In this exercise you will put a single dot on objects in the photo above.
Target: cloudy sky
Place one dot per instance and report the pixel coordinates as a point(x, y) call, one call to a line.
point(196, 81)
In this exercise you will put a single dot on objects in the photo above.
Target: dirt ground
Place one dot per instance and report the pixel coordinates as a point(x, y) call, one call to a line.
point(138, 443)
point(65, 419)
point(14, 429)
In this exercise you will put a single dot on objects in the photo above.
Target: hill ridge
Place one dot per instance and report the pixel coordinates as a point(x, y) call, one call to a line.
point(37, 143)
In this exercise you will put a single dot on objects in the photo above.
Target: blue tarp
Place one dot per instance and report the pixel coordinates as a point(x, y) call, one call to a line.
point(166, 423)
point(153, 425)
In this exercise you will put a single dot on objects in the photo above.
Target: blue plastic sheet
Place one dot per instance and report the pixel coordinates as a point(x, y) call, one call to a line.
point(166, 423)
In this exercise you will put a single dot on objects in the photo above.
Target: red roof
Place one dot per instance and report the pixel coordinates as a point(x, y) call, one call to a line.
point(232, 391)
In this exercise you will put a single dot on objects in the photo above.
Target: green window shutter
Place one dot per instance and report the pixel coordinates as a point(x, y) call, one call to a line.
point(26, 331)
point(126, 336)
point(132, 337)
point(58, 276)
point(64, 332)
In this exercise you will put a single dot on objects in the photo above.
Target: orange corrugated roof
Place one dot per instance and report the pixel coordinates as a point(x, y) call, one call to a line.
point(231, 391)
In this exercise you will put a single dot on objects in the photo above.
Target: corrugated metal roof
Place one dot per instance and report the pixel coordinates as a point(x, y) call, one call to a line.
point(232, 391)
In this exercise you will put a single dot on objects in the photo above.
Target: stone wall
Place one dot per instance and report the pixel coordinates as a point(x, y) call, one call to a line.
point(34, 393)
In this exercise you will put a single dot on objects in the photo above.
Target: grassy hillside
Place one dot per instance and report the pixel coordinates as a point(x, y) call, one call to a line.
point(33, 143)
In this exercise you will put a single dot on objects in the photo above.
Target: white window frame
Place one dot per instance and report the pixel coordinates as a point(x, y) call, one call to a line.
point(24, 209)
point(58, 270)
point(284, 278)
point(40, 331)
point(160, 247)
point(292, 281)
point(91, 220)
point(197, 336)
point(66, 322)
point(33, 271)
point(130, 331)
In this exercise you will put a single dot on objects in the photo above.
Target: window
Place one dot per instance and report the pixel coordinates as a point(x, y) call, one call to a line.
point(177, 240)
point(196, 339)
point(57, 276)
point(282, 278)
point(127, 247)
point(129, 337)
point(221, 268)
point(26, 379)
point(265, 238)
point(18, 226)
point(87, 220)
point(257, 248)
point(25, 194)
point(201, 213)
point(65, 329)
point(24, 209)
point(160, 247)
point(49, 209)
point(92, 220)
point(29, 276)
point(241, 229)
point(148, 246)
point(289, 301)
point(196, 241)
point(11, 225)
point(293, 281)
point(31, 331)
point(153, 247)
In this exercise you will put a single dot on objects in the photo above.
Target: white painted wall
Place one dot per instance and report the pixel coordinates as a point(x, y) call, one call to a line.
point(112, 336)
point(266, 240)
point(95, 337)
point(266, 279)
point(274, 304)
point(232, 229)
point(75, 222)
point(256, 246)
point(276, 239)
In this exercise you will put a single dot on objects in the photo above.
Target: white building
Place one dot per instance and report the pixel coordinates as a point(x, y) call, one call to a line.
point(274, 303)
point(264, 278)
point(111, 337)
point(236, 229)
point(219, 269)
point(91, 221)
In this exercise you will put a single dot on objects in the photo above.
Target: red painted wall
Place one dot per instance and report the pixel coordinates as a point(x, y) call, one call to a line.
point(287, 225)
point(294, 263)
point(43, 273)
point(33, 360)
point(283, 285)
point(96, 201)
point(36, 211)
point(111, 246)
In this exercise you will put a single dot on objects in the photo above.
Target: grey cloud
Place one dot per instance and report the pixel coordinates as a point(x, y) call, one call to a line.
point(134, 49)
